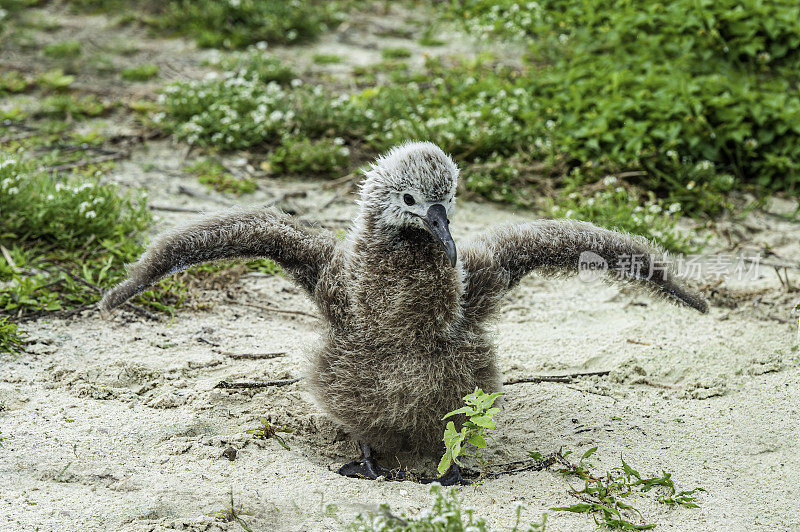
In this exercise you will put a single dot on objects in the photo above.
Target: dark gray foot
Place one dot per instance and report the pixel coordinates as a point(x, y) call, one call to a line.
point(369, 468)
point(451, 478)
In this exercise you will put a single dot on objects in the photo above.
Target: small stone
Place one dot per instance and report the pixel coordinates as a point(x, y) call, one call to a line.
point(230, 453)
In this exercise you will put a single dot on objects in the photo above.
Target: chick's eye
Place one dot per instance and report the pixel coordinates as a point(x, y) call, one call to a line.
point(409, 199)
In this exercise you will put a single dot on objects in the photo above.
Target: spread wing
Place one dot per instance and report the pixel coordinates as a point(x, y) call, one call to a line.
point(495, 261)
point(238, 233)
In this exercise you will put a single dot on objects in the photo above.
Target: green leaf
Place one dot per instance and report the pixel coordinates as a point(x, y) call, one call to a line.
point(483, 421)
point(588, 453)
point(477, 440)
point(463, 410)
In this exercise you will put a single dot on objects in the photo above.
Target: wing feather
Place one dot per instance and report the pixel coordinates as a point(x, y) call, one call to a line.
point(237, 233)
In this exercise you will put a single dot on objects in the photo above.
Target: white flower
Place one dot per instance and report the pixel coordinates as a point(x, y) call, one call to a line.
point(690, 185)
point(83, 206)
point(12, 191)
point(675, 207)
point(50, 197)
point(344, 151)
point(291, 35)
point(550, 124)
point(655, 209)
point(59, 187)
point(275, 116)
point(609, 180)
point(7, 181)
point(296, 82)
point(261, 45)
point(339, 141)
point(672, 154)
point(751, 143)
point(90, 214)
point(98, 200)
point(563, 38)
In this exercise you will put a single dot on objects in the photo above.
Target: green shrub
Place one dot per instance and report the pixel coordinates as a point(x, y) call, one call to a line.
point(39, 208)
point(395, 53)
point(50, 226)
point(626, 82)
point(12, 340)
point(63, 50)
point(255, 65)
point(64, 105)
point(302, 156)
point(139, 73)
point(214, 175)
point(12, 82)
point(327, 59)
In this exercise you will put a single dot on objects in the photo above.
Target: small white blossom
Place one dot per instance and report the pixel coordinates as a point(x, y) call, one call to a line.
point(83, 206)
point(296, 82)
point(90, 214)
point(339, 141)
point(50, 197)
point(12, 191)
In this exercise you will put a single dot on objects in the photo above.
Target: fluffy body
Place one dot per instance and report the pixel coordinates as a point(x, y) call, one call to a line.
point(406, 333)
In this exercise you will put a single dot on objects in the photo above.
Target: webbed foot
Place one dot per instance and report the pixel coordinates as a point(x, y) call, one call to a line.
point(369, 468)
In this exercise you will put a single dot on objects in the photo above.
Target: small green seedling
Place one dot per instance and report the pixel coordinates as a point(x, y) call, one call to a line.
point(604, 496)
point(479, 412)
point(267, 430)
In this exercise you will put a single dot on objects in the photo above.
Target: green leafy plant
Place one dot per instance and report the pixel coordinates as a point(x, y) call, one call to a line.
point(267, 430)
point(604, 496)
point(63, 49)
point(68, 105)
point(395, 53)
point(324, 157)
point(445, 515)
point(327, 59)
point(233, 24)
point(214, 175)
point(12, 340)
point(139, 73)
point(479, 413)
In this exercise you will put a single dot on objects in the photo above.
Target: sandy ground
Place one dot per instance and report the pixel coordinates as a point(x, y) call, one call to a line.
point(116, 424)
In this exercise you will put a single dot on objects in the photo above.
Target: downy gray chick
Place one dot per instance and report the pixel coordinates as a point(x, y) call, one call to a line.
point(405, 315)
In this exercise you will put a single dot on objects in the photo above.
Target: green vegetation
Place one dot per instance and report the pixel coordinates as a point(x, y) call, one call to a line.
point(690, 101)
point(12, 340)
point(232, 24)
point(301, 156)
point(444, 515)
point(63, 50)
point(255, 65)
point(267, 430)
point(65, 106)
point(395, 53)
point(327, 59)
point(62, 238)
point(628, 82)
point(139, 73)
point(12, 82)
point(214, 175)
point(603, 495)
point(479, 413)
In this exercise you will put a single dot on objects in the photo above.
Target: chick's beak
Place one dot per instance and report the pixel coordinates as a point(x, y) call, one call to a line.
point(438, 224)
